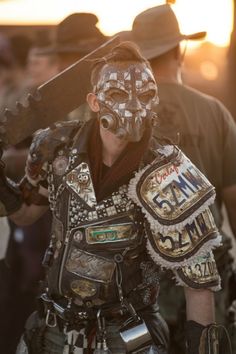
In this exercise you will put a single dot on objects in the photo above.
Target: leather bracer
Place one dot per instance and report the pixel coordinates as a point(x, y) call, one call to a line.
point(211, 339)
point(31, 194)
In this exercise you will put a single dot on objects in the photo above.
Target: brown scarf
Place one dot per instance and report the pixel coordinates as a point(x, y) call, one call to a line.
point(122, 170)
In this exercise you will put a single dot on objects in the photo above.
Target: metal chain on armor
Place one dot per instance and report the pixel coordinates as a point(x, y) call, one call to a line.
point(53, 194)
point(51, 187)
point(72, 159)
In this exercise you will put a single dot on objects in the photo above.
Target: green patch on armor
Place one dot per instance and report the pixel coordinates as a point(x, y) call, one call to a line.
point(113, 233)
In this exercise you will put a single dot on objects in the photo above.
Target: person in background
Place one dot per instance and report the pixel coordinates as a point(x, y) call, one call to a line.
point(19, 46)
point(40, 66)
point(21, 268)
point(6, 62)
point(27, 243)
point(205, 131)
point(74, 37)
point(4, 271)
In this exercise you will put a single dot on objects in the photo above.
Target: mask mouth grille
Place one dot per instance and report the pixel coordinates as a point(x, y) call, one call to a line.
point(130, 128)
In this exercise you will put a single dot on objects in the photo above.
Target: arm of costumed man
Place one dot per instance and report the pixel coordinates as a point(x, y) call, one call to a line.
point(181, 233)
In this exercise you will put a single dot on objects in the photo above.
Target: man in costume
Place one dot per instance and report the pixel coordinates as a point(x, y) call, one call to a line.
point(124, 205)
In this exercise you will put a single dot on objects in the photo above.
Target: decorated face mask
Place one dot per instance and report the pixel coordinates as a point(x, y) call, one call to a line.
point(126, 95)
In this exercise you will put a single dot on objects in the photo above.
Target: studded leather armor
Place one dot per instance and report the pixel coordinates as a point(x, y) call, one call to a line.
point(98, 244)
point(100, 251)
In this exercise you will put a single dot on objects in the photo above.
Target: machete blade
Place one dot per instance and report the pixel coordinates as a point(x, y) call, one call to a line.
point(53, 100)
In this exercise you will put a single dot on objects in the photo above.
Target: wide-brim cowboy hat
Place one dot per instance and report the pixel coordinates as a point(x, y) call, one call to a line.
point(156, 31)
point(76, 34)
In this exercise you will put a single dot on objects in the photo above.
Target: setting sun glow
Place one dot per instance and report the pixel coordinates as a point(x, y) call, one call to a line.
point(214, 16)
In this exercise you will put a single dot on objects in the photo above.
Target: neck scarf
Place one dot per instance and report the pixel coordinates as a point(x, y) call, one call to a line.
point(123, 168)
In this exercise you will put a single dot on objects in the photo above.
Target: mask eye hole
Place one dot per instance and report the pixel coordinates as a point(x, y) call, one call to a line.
point(146, 97)
point(117, 95)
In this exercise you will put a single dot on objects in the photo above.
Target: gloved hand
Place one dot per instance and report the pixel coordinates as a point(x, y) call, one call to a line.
point(193, 334)
point(10, 195)
point(211, 339)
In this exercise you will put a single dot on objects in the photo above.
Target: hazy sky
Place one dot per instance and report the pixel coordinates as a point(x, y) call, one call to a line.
point(215, 16)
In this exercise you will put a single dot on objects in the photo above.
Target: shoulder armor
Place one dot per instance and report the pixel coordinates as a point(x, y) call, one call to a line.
point(44, 145)
point(171, 190)
point(175, 197)
point(180, 248)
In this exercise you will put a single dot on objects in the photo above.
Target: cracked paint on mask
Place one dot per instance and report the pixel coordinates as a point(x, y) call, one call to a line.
point(128, 93)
